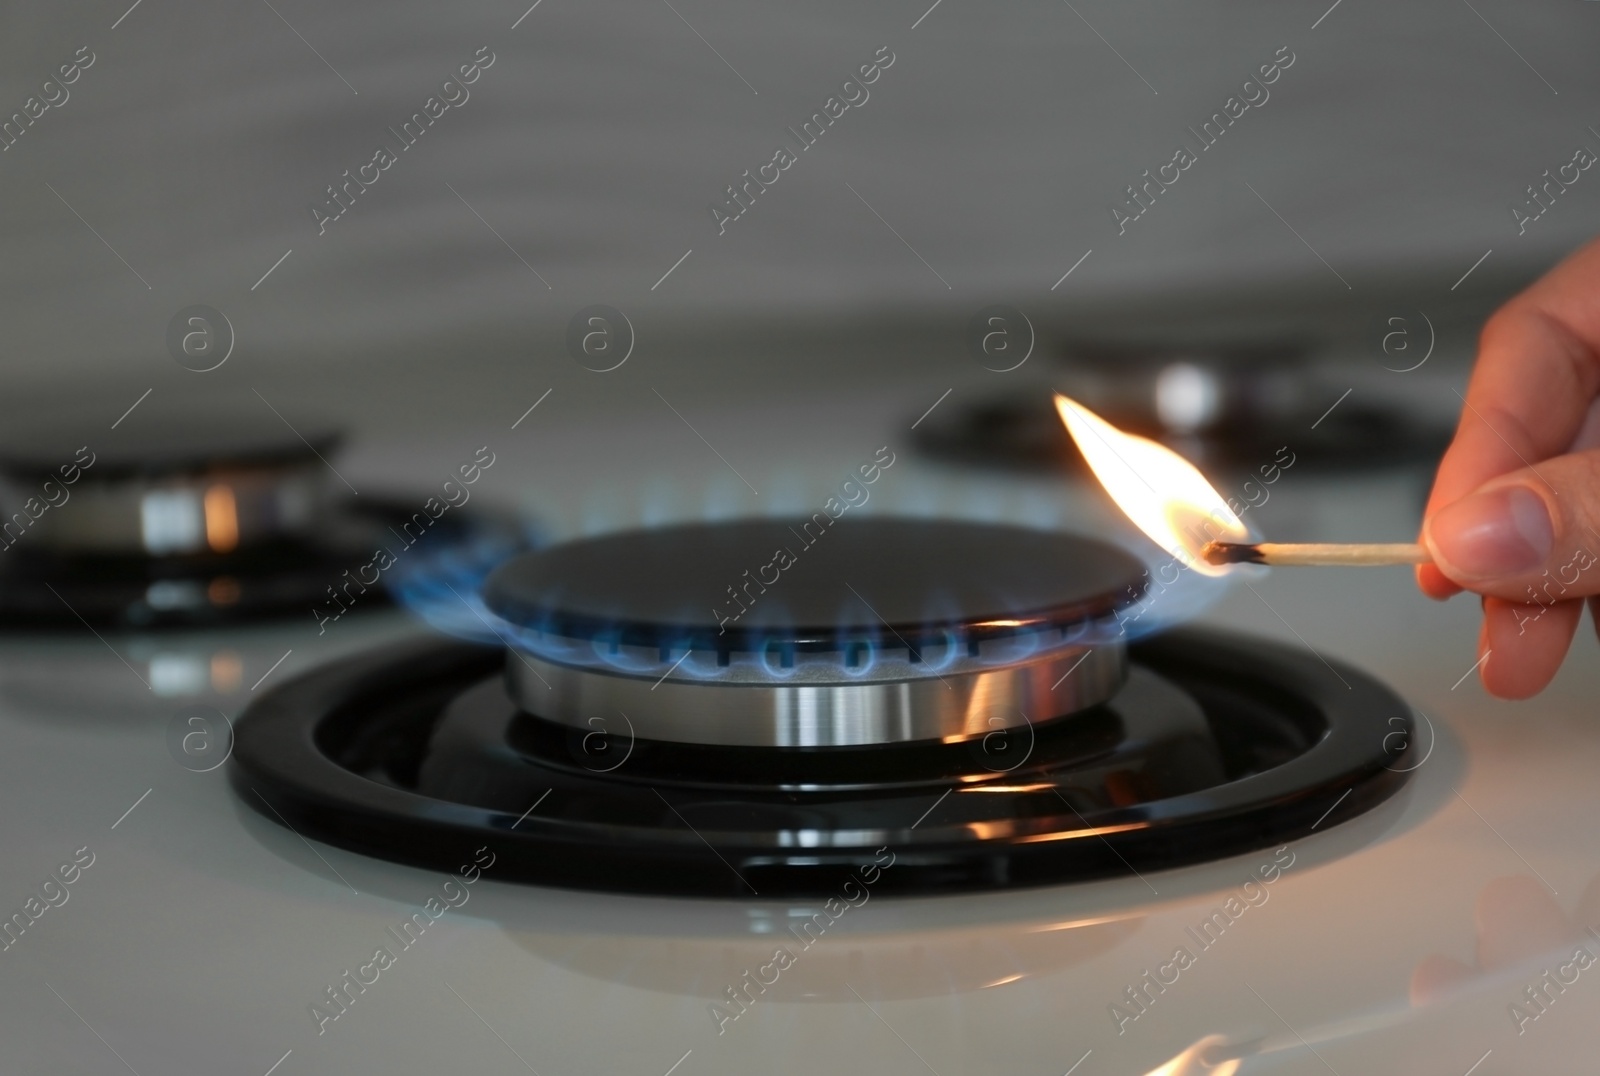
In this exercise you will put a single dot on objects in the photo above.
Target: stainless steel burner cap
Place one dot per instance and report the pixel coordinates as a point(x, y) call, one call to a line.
point(816, 632)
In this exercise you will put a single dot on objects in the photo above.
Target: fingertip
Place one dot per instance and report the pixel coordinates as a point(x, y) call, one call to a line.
point(1525, 645)
point(1483, 649)
point(1511, 683)
point(1432, 582)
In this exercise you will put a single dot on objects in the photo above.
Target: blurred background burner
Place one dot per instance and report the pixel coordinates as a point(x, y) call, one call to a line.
point(1223, 406)
point(592, 773)
point(195, 516)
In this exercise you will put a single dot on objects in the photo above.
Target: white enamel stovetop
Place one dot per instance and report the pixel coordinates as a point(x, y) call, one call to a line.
point(201, 935)
point(191, 935)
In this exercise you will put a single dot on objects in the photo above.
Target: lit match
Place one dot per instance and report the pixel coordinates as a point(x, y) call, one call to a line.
point(1168, 498)
point(1313, 554)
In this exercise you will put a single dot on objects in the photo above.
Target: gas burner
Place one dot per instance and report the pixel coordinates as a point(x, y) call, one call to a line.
point(179, 519)
point(1222, 407)
point(901, 687)
point(880, 631)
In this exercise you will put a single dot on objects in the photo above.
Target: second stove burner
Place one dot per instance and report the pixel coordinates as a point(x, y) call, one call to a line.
point(200, 516)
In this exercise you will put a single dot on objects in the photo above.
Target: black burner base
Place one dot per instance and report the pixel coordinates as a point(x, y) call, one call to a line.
point(1219, 745)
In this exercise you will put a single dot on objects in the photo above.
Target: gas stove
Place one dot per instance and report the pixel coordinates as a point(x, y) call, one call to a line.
point(310, 765)
point(1228, 890)
point(957, 697)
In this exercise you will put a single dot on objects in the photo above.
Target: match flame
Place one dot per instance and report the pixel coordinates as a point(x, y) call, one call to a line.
point(1161, 492)
point(1195, 1060)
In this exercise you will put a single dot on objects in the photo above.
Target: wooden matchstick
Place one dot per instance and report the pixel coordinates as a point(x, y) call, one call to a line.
point(1310, 554)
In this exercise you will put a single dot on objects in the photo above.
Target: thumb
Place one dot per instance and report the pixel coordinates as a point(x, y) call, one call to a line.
point(1529, 536)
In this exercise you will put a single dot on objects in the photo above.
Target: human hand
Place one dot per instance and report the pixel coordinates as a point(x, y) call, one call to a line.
point(1515, 510)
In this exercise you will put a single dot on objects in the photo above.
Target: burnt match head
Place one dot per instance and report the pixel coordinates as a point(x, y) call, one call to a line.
point(1220, 553)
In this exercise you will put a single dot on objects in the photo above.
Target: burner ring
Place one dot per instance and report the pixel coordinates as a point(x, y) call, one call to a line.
point(816, 708)
point(366, 754)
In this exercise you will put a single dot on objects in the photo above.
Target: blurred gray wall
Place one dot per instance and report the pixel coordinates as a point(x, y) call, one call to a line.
point(991, 149)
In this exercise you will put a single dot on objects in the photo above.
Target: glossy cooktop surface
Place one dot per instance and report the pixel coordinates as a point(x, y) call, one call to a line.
point(168, 926)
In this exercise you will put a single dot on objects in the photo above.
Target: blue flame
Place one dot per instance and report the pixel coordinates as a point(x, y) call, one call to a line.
point(941, 656)
point(440, 585)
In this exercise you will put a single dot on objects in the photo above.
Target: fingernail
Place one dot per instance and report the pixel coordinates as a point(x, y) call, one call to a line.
point(1488, 535)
